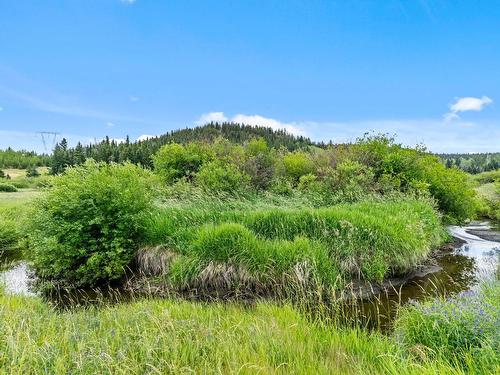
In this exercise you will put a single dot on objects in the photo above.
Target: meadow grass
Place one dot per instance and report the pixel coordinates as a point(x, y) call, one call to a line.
point(273, 243)
point(13, 208)
point(15, 173)
point(179, 337)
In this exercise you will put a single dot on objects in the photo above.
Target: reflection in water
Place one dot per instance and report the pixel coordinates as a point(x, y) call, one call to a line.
point(455, 270)
point(458, 270)
point(16, 279)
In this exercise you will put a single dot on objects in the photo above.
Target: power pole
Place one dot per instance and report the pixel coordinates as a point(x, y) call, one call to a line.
point(47, 136)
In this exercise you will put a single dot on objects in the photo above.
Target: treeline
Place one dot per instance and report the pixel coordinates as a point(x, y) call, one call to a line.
point(140, 152)
point(10, 158)
point(473, 163)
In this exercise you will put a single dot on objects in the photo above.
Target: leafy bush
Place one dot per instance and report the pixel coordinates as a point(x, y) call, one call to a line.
point(7, 188)
point(85, 230)
point(450, 328)
point(297, 164)
point(217, 176)
point(416, 169)
point(175, 161)
point(259, 163)
point(22, 182)
point(351, 180)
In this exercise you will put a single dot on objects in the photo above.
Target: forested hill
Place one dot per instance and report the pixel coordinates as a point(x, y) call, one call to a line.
point(140, 152)
point(473, 163)
point(10, 158)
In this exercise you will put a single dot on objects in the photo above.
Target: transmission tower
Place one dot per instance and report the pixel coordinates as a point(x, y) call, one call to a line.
point(47, 137)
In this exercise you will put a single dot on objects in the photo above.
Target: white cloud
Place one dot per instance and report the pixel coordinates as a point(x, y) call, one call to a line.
point(110, 124)
point(128, 1)
point(144, 137)
point(1, 109)
point(133, 98)
point(211, 117)
point(255, 120)
point(466, 104)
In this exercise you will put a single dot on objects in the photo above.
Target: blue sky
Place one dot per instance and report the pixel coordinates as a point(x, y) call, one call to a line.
point(426, 70)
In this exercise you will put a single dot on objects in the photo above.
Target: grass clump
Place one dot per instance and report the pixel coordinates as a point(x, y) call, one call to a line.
point(370, 240)
point(463, 329)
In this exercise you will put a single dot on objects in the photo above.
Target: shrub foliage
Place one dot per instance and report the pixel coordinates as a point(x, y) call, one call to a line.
point(85, 229)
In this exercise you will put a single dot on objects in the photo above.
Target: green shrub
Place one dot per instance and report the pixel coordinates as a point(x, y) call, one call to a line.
point(7, 188)
point(32, 171)
point(259, 163)
point(297, 164)
point(418, 170)
point(22, 182)
point(86, 228)
point(175, 161)
point(217, 176)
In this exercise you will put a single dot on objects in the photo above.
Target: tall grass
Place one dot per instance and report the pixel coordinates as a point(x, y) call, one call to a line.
point(271, 243)
point(179, 337)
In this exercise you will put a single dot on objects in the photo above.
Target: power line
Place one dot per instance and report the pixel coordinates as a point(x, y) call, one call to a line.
point(47, 136)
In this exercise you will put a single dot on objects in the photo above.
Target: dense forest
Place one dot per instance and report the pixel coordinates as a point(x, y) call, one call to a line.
point(140, 152)
point(473, 163)
point(22, 159)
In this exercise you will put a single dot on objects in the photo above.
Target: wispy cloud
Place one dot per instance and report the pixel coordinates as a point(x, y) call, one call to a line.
point(255, 120)
point(128, 1)
point(65, 109)
point(110, 124)
point(465, 104)
point(133, 98)
point(144, 137)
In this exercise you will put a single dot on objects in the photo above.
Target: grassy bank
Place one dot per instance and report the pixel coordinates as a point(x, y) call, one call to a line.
point(488, 191)
point(153, 336)
point(196, 243)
